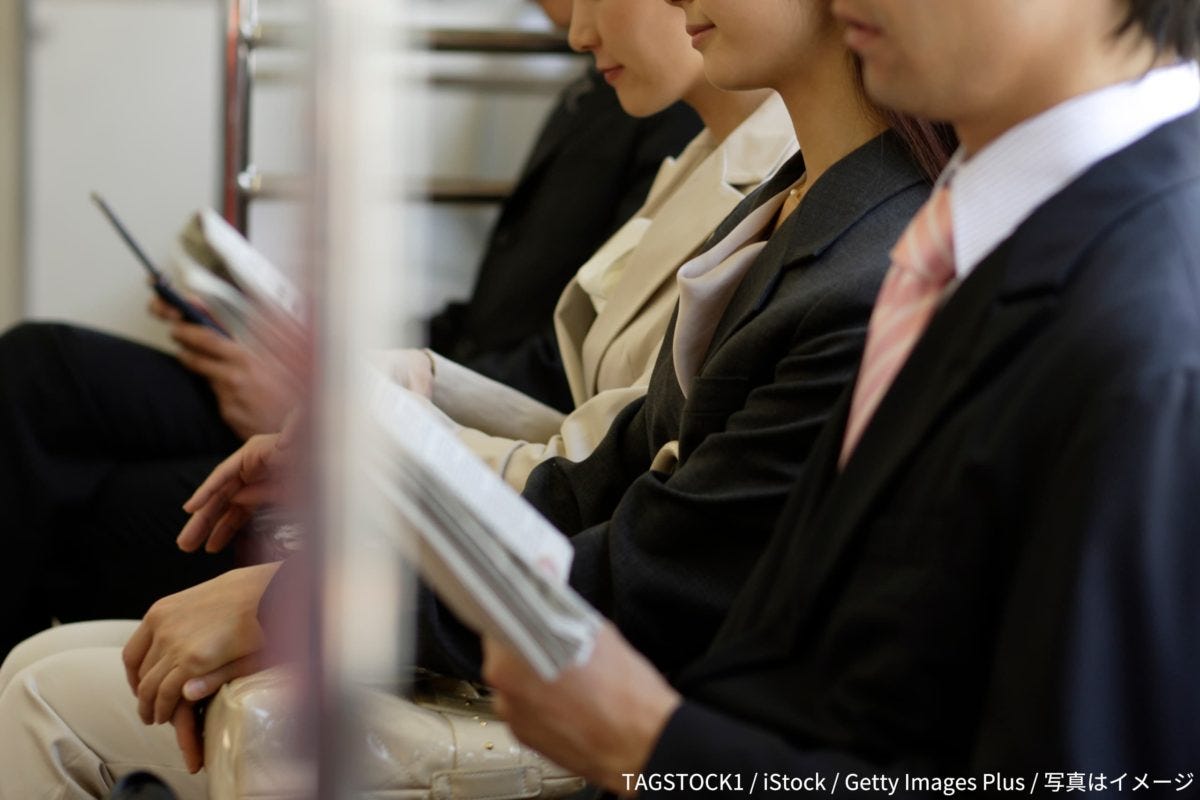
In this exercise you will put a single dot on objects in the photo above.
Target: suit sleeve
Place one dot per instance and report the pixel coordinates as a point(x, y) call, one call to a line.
point(575, 438)
point(474, 401)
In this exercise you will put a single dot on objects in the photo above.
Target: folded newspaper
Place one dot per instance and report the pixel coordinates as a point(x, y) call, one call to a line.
point(236, 283)
point(498, 563)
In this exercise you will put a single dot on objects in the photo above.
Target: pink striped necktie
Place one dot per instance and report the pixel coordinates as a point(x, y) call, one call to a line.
point(922, 266)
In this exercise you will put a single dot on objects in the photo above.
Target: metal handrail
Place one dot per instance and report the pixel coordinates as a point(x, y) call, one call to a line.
point(255, 34)
point(240, 14)
point(452, 40)
point(255, 185)
point(244, 33)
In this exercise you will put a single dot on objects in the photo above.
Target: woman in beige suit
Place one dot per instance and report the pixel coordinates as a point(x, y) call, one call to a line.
point(612, 317)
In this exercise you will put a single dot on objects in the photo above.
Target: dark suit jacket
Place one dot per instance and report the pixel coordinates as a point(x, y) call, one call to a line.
point(590, 170)
point(1003, 577)
point(663, 555)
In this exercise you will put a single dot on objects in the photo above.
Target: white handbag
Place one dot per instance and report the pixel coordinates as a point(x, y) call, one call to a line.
point(445, 743)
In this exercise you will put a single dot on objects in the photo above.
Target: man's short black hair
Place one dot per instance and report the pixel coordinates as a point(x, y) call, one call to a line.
point(1172, 24)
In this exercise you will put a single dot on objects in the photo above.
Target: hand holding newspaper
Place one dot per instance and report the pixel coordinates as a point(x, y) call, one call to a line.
point(488, 554)
point(247, 294)
point(499, 565)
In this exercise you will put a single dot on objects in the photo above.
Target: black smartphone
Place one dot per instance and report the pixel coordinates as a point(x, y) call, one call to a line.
point(162, 287)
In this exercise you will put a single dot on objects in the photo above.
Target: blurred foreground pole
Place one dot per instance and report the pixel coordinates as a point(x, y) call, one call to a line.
point(359, 631)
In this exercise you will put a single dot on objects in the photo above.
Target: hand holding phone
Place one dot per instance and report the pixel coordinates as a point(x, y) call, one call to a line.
point(158, 281)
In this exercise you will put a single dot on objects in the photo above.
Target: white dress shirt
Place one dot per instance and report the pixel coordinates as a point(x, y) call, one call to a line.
point(1001, 186)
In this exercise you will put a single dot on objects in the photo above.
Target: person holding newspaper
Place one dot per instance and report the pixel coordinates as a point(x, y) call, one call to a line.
point(102, 438)
point(985, 582)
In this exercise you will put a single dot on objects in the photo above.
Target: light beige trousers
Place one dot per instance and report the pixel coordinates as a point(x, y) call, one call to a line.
point(68, 721)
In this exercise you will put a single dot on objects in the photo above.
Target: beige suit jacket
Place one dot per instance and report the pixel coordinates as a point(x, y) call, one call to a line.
point(609, 355)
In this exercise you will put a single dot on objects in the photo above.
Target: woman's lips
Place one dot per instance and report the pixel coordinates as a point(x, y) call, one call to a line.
point(859, 35)
point(611, 74)
point(699, 33)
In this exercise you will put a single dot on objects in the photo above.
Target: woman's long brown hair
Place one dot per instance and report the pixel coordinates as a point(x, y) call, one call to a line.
point(930, 143)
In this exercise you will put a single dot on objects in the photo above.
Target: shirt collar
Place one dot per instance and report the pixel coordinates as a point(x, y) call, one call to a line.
point(1001, 186)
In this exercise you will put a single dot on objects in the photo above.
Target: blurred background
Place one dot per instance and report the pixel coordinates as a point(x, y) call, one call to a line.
point(130, 98)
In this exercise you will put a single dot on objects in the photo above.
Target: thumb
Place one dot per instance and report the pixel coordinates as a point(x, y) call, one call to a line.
point(199, 688)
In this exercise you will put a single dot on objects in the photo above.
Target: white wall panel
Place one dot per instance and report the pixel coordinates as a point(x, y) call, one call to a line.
point(122, 99)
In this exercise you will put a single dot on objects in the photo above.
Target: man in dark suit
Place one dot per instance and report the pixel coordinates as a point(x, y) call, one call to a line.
point(589, 171)
point(986, 574)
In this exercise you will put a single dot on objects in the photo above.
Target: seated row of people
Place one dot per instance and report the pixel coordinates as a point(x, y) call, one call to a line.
point(906, 487)
point(102, 439)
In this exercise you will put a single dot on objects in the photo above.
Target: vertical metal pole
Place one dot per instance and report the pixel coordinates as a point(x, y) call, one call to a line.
point(241, 23)
point(12, 143)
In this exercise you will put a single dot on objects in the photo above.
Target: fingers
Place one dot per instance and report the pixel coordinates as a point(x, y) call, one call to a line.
point(199, 688)
point(224, 502)
point(204, 341)
point(187, 736)
point(170, 692)
point(247, 463)
point(207, 507)
point(226, 528)
point(500, 706)
point(255, 495)
point(147, 691)
point(134, 653)
point(163, 310)
point(227, 471)
point(197, 529)
point(291, 424)
point(503, 669)
point(215, 370)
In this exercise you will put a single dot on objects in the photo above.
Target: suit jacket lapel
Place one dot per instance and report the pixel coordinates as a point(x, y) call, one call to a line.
point(676, 229)
point(850, 190)
point(930, 384)
point(714, 187)
point(576, 323)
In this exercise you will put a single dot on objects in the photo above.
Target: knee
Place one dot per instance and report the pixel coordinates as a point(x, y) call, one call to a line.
point(29, 337)
point(27, 345)
point(35, 358)
point(65, 639)
point(20, 657)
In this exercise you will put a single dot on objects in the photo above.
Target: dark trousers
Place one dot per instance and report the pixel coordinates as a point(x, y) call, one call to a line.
point(101, 441)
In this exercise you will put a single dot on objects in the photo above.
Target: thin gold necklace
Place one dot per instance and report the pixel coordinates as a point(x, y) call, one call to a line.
point(792, 201)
